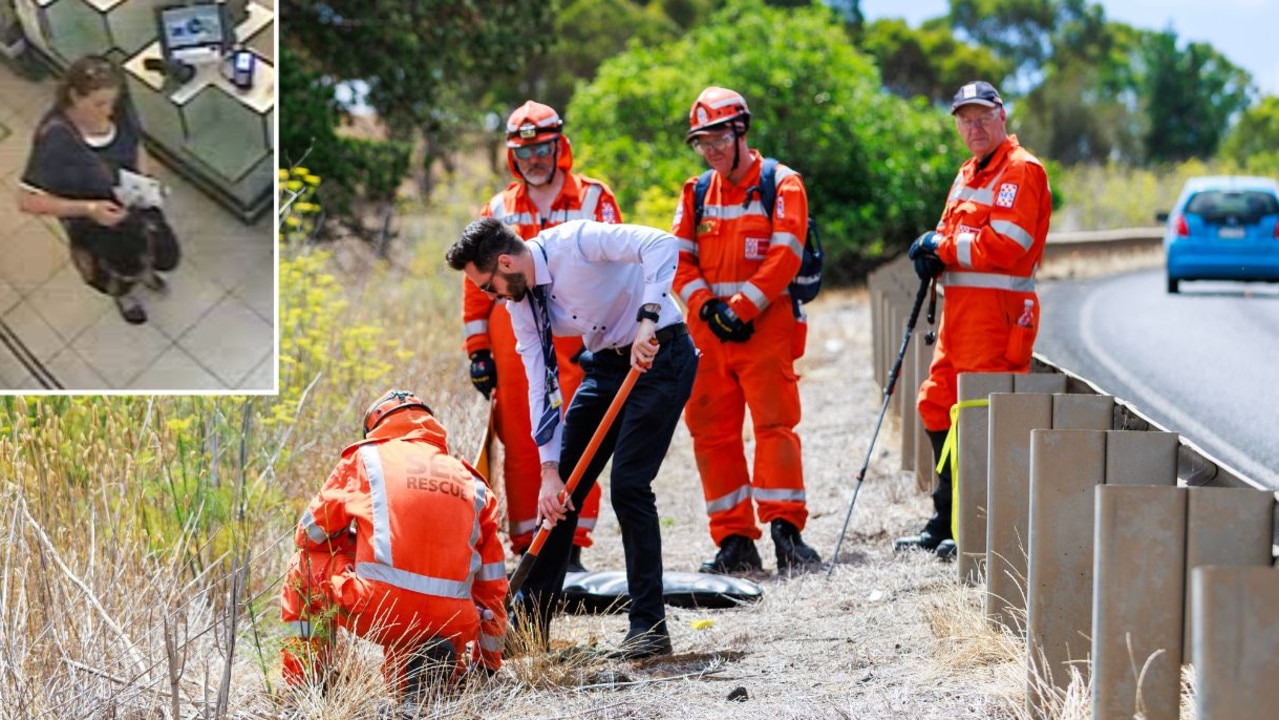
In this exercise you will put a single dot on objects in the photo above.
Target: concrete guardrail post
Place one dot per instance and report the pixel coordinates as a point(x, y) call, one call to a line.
point(1065, 468)
point(1012, 418)
point(969, 489)
point(1226, 526)
point(1137, 598)
point(1236, 633)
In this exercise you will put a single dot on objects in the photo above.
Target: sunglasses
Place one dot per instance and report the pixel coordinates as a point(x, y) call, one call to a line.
point(487, 288)
point(541, 150)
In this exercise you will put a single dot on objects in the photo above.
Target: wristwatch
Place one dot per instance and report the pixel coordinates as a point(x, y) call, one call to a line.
point(648, 311)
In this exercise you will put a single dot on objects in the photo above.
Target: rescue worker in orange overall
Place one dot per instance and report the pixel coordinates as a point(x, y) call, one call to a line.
point(400, 547)
point(734, 269)
point(985, 253)
point(544, 194)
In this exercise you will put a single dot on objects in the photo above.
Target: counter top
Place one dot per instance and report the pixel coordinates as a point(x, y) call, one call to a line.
point(260, 97)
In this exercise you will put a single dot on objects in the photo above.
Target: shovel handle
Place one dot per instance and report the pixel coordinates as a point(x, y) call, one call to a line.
point(539, 538)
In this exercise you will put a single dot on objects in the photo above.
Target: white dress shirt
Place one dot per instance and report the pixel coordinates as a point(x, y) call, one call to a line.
point(597, 277)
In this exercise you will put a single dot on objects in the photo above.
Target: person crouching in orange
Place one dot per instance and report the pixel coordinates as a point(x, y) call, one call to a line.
point(401, 548)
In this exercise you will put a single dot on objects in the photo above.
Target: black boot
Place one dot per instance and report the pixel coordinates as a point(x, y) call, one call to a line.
point(736, 554)
point(575, 560)
point(946, 550)
point(924, 541)
point(643, 644)
point(792, 553)
point(937, 530)
point(429, 668)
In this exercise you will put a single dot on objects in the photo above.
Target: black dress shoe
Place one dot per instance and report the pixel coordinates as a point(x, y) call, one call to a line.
point(737, 554)
point(641, 645)
point(792, 553)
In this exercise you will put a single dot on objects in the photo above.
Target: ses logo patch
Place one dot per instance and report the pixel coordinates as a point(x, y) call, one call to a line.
point(1007, 193)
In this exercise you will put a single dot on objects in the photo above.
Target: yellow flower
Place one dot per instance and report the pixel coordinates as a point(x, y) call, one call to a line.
point(312, 179)
point(284, 174)
point(305, 207)
point(293, 185)
point(292, 222)
point(301, 171)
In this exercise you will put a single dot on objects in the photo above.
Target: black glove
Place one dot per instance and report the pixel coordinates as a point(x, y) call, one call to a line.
point(483, 372)
point(924, 252)
point(725, 323)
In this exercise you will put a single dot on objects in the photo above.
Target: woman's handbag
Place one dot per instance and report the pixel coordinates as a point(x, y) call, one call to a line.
point(162, 244)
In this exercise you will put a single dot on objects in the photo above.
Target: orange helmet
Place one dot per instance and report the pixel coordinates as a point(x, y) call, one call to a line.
point(715, 107)
point(392, 401)
point(533, 124)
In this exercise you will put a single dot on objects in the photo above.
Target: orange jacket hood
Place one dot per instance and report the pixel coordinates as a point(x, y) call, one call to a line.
point(409, 424)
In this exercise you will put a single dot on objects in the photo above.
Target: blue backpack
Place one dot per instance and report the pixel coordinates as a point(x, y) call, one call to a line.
point(808, 280)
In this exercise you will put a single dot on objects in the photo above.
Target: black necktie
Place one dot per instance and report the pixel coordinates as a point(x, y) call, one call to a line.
point(551, 395)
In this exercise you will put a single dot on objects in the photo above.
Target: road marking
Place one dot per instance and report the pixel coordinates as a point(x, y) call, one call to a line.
point(1235, 458)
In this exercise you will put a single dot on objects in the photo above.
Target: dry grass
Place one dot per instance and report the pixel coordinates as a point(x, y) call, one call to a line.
point(139, 574)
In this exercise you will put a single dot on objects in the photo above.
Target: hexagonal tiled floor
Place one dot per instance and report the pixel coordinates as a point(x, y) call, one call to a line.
point(212, 331)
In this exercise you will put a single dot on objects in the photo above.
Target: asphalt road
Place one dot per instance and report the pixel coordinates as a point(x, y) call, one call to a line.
point(1203, 363)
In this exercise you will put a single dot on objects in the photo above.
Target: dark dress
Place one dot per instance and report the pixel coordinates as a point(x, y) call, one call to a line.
point(62, 163)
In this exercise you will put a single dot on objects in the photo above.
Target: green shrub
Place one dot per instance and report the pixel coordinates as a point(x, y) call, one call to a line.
point(876, 167)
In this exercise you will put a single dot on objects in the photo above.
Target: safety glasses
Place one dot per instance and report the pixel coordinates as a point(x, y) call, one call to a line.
point(540, 150)
point(703, 144)
point(979, 120)
point(487, 288)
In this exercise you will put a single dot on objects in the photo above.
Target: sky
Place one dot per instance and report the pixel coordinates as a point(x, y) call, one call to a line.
point(1241, 30)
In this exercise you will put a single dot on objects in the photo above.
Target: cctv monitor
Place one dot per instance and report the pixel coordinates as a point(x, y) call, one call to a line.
point(195, 33)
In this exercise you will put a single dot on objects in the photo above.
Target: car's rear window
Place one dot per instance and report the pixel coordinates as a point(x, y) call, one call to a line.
point(1246, 206)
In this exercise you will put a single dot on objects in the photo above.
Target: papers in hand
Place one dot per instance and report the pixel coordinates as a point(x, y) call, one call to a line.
point(136, 190)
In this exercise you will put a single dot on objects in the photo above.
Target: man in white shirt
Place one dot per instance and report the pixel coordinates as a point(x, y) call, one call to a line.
point(611, 285)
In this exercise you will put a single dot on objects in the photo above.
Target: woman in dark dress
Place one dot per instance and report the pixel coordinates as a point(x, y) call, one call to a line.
point(79, 149)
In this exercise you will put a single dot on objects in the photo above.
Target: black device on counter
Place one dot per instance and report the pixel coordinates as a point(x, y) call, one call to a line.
point(180, 73)
point(243, 63)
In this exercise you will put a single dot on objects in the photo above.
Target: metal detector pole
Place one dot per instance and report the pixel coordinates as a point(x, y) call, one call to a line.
point(888, 394)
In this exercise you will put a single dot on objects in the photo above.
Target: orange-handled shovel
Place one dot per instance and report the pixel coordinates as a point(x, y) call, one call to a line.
point(543, 532)
point(486, 449)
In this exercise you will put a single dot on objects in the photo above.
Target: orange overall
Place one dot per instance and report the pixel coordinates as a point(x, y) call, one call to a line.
point(488, 327)
point(738, 255)
point(994, 228)
point(424, 560)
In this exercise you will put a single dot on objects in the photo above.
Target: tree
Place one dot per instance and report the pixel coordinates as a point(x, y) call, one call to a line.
point(929, 61)
point(876, 166)
point(1253, 143)
point(1192, 94)
point(1019, 31)
point(424, 65)
point(1100, 90)
point(586, 32)
point(307, 101)
point(410, 51)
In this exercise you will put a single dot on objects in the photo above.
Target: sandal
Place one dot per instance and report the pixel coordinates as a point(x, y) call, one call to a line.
point(131, 309)
point(155, 283)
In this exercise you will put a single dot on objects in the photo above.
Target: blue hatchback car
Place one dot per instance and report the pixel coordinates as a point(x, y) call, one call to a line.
point(1223, 227)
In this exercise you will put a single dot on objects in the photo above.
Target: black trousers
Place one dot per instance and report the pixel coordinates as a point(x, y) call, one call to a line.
point(637, 442)
point(939, 524)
